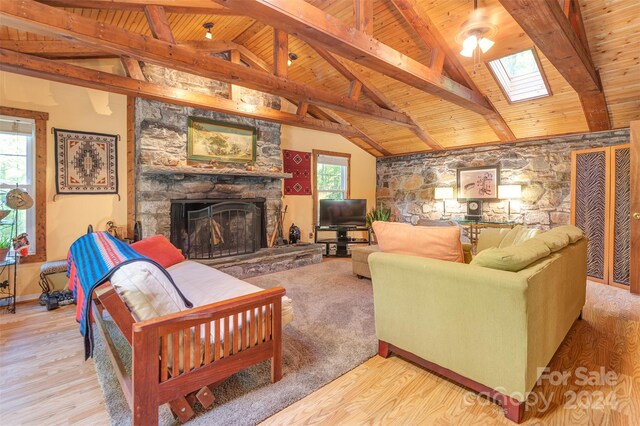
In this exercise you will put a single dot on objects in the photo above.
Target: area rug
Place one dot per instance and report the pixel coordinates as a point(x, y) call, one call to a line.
point(332, 333)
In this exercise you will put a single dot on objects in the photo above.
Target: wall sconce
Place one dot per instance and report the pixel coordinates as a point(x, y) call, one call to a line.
point(444, 193)
point(509, 192)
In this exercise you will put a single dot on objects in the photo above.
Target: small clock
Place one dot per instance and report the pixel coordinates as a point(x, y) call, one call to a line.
point(474, 209)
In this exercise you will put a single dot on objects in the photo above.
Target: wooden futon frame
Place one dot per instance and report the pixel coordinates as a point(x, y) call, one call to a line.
point(154, 382)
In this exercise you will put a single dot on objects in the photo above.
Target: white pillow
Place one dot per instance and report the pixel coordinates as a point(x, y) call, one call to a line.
point(146, 290)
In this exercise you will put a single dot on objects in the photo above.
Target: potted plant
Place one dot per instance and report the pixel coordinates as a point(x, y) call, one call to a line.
point(5, 246)
point(377, 214)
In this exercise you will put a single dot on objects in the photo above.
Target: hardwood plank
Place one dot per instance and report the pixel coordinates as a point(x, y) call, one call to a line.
point(84, 77)
point(42, 19)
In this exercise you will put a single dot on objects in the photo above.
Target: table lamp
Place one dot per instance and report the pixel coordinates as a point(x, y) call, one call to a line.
point(444, 193)
point(509, 192)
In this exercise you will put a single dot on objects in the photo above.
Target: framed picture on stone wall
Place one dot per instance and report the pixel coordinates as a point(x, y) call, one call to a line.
point(478, 183)
point(223, 142)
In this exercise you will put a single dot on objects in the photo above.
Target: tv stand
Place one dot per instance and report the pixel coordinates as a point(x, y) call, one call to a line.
point(342, 238)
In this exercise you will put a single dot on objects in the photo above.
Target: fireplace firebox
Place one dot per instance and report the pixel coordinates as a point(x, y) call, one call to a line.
point(221, 227)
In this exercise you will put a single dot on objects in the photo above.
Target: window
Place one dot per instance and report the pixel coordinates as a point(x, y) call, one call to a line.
point(22, 162)
point(520, 76)
point(331, 175)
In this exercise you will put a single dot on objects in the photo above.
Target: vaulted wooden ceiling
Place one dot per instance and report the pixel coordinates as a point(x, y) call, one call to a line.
point(385, 73)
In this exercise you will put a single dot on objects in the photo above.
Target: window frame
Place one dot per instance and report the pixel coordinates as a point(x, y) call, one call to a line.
point(39, 176)
point(315, 154)
point(503, 89)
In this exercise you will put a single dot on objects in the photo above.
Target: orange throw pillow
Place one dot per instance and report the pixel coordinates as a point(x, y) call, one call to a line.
point(158, 248)
point(435, 242)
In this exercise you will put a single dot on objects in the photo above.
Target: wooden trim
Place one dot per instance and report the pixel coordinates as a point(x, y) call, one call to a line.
point(315, 153)
point(280, 53)
point(70, 74)
point(40, 175)
point(512, 408)
point(363, 15)
point(131, 165)
point(48, 21)
point(158, 23)
point(542, 73)
point(635, 207)
point(53, 49)
point(612, 223)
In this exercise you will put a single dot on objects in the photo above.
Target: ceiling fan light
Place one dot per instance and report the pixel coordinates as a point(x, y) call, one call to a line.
point(470, 43)
point(485, 44)
point(467, 53)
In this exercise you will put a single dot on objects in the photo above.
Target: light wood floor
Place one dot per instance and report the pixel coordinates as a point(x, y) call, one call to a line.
point(45, 380)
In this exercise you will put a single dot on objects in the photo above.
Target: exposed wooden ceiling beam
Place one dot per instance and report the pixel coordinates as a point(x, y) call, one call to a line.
point(363, 15)
point(132, 68)
point(205, 7)
point(314, 26)
point(158, 23)
point(552, 32)
point(375, 94)
point(280, 53)
point(35, 17)
point(54, 49)
point(443, 57)
point(70, 74)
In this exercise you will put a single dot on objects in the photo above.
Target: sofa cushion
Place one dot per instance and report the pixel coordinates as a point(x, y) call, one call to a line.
point(159, 249)
point(490, 237)
point(554, 240)
point(573, 232)
point(518, 234)
point(512, 258)
point(433, 242)
point(146, 290)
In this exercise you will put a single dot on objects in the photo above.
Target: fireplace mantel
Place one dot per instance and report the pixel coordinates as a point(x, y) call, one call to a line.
point(186, 170)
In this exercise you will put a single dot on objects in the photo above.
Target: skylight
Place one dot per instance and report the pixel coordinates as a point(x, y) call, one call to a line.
point(520, 76)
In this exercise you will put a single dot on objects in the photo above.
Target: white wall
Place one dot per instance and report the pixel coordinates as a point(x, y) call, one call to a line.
point(363, 174)
point(74, 108)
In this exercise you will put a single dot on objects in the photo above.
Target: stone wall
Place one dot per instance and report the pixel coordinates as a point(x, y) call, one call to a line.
point(161, 137)
point(406, 184)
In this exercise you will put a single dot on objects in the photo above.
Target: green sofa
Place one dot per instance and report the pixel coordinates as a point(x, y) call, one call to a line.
point(488, 329)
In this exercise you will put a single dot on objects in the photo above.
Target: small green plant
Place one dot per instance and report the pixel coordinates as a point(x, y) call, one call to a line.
point(5, 242)
point(378, 214)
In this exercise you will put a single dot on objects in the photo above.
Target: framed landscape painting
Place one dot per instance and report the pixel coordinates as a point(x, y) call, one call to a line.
point(478, 183)
point(223, 142)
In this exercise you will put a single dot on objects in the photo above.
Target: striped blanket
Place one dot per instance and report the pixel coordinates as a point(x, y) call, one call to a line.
point(93, 259)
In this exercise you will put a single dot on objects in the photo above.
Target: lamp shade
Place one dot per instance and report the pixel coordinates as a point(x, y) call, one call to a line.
point(510, 192)
point(444, 193)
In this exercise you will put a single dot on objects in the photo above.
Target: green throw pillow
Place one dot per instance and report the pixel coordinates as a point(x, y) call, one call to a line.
point(554, 240)
point(512, 258)
point(573, 232)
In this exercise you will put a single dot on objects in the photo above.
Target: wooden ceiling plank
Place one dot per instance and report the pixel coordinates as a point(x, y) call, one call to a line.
point(314, 26)
point(280, 53)
point(19, 63)
point(553, 33)
point(251, 31)
point(159, 23)
point(431, 37)
point(38, 18)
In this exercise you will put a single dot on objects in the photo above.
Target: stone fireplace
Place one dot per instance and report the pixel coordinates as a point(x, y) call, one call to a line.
point(215, 228)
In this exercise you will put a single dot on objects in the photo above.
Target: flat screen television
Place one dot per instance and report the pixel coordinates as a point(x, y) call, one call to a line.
point(343, 213)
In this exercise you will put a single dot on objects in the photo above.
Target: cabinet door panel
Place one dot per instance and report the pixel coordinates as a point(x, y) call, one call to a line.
point(621, 192)
point(590, 207)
